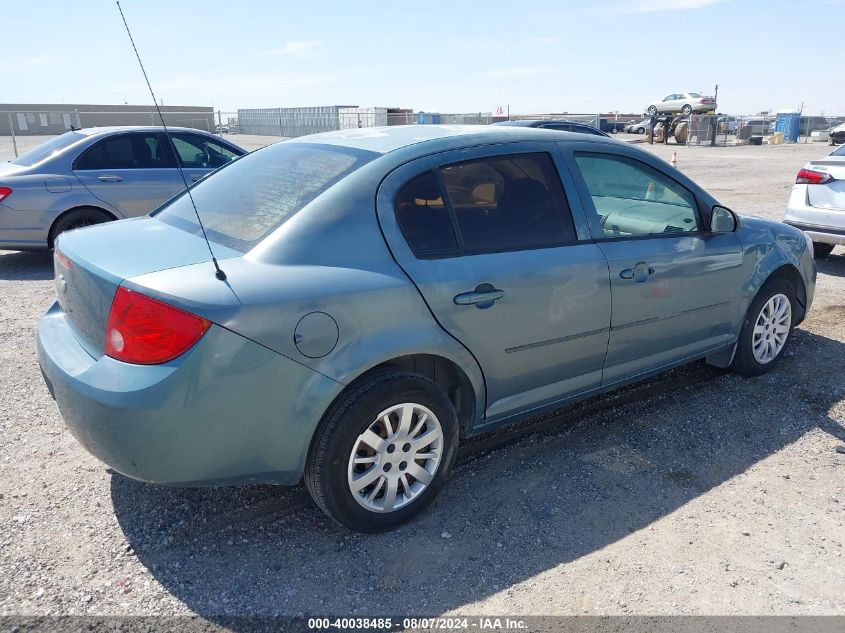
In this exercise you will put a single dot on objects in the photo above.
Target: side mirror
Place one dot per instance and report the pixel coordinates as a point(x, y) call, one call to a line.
point(722, 220)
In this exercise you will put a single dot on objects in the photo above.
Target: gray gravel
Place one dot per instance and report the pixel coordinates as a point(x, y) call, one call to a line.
point(723, 496)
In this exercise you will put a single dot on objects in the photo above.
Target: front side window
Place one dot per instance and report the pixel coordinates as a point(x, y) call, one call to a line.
point(126, 151)
point(633, 199)
point(197, 151)
point(249, 199)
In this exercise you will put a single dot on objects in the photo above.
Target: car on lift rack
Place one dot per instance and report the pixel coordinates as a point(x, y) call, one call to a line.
point(682, 103)
point(95, 175)
point(380, 295)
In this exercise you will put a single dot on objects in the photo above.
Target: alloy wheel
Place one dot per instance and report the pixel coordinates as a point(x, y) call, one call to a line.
point(771, 328)
point(396, 457)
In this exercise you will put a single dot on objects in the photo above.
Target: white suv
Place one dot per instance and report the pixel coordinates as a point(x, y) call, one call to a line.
point(817, 202)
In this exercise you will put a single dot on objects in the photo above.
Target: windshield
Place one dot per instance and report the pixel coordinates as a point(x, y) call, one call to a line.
point(45, 150)
point(840, 151)
point(694, 95)
point(248, 199)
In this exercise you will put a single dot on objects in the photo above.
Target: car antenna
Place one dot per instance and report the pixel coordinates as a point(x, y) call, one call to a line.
point(219, 271)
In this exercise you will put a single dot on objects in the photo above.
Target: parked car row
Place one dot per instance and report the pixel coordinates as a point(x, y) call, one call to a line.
point(382, 297)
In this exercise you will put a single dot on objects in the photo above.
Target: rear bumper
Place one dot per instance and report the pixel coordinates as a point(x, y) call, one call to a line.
point(823, 235)
point(21, 230)
point(228, 411)
point(826, 226)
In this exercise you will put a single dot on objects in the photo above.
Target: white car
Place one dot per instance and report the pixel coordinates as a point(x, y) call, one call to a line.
point(683, 102)
point(817, 202)
point(638, 127)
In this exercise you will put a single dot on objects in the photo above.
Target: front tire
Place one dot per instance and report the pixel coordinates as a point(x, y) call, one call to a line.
point(821, 251)
point(767, 328)
point(383, 452)
point(652, 110)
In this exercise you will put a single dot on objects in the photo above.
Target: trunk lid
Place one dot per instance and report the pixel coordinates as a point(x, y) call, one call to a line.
point(91, 263)
point(830, 195)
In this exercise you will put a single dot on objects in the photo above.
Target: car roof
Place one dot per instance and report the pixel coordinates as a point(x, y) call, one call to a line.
point(391, 138)
point(108, 129)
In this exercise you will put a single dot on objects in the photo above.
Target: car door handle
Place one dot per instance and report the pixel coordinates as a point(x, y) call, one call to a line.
point(483, 296)
point(639, 273)
point(109, 178)
point(195, 177)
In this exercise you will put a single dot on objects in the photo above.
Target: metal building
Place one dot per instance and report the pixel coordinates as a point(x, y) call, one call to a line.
point(290, 122)
point(26, 119)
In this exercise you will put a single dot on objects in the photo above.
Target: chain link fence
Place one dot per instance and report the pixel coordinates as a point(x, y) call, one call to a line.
point(23, 130)
point(252, 128)
point(726, 130)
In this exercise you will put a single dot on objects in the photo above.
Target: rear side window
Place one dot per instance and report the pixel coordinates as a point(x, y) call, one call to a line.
point(501, 203)
point(423, 217)
point(126, 151)
point(247, 200)
point(506, 203)
point(46, 150)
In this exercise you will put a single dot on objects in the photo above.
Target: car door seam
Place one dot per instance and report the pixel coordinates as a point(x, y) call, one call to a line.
point(553, 341)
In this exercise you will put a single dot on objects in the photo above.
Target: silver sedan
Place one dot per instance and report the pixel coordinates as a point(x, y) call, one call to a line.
point(683, 102)
point(95, 175)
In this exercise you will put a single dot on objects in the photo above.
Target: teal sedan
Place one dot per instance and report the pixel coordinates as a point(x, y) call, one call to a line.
point(388, 292)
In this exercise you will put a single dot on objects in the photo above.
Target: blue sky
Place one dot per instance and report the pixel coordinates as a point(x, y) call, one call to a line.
point(535, 56)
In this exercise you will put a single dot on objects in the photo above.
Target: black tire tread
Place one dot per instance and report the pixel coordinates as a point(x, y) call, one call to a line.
point(63, 221)
point(822, 251)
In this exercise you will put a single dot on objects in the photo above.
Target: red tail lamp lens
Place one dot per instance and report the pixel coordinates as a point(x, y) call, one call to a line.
point(62, 259)
point(810, 177)
point(146, 331)
point(5, 192)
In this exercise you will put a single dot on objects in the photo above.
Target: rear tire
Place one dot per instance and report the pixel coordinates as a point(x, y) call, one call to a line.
point(686, 110)
point(352, 480)
point(77, 219)
point(821, 251)
point(767, 328)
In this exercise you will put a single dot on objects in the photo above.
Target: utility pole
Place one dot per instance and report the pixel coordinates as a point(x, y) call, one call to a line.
point(800, 114)
point(716, 95)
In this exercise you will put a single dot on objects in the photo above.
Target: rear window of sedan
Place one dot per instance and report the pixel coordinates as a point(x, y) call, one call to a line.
point(248, 199)
point(45, 150)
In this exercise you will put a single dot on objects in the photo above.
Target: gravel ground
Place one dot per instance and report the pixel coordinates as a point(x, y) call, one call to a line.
point(713, 495)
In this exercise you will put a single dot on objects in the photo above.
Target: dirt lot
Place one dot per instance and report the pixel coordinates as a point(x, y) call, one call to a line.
point(699, 493)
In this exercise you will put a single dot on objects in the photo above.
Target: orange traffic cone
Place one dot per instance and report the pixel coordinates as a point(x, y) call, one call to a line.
point(674, 161)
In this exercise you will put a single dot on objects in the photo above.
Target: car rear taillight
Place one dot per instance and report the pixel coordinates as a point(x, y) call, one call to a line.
point(62, 259)
point(5, 192)
point(810, 177)
point(146, 331)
